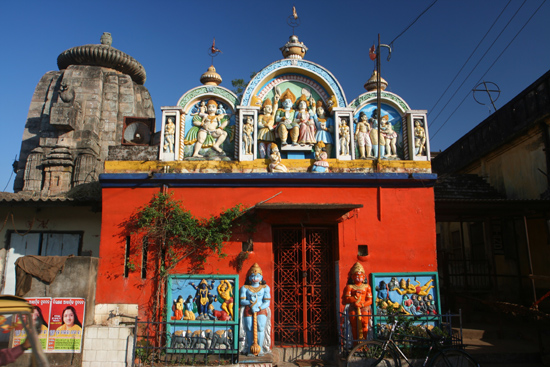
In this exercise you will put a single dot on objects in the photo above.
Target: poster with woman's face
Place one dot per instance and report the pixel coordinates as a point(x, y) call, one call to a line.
point(67, 316)
point(40, 316)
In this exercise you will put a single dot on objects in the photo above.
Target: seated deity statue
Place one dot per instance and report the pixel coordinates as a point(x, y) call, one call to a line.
point(256, 315)
point(275, 156)
point(208, 130)
point(305, 122)
point(285, 119)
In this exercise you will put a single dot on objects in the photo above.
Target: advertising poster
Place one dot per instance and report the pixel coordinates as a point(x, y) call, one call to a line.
point(66, 330)
point(40, 316)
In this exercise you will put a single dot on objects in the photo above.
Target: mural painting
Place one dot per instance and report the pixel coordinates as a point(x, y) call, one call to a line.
point(202, 313)
point(415, 294)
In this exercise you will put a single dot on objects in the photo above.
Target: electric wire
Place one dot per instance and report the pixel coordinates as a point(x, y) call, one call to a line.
point(476, 65)
point(469, 57)
point(414, 21)
point(490, 67)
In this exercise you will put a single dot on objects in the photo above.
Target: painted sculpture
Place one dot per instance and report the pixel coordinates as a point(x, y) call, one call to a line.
point(208, 130)
point(203, 298)
point(275, 157)
point(344, 137)
point(325, 128)
point(419, 138)
point(225, 292)
point(373, 120)
point(255, 301)
point(362, 136)
point(284, 118)
point(321, 163)
point(266, 126)
point(304, 120)
point(177, 308)
point(169, 132)
point(390, 137)
point(248, 128)
point(358, 295)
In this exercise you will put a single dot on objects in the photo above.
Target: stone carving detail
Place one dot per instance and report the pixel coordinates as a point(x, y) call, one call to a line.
point(85, 170)
point(33, 171)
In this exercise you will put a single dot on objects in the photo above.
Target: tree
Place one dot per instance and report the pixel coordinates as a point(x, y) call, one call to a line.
point(239, 85)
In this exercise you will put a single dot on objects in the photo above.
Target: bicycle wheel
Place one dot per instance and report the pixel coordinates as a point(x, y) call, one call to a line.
point(453, 358)
point(372, 353)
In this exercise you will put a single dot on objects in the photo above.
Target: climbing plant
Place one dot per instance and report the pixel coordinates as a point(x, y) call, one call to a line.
point(173, 234)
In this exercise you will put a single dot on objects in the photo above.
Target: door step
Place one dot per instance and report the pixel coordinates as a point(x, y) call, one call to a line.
point(305, 356)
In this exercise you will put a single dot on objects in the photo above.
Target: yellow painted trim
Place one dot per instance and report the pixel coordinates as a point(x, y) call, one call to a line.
point(260, 165)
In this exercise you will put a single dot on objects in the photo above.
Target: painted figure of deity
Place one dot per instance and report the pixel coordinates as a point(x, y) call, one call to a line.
point(208, 130)
point(362, 136)
point(358, 295)
point(225, 292)
point(419, 138)
point(276, 164)
point(321, 156)
point(248, 128)
point(169, 133)
point(390, 136)
point(305, 123)
point(374, 135)
point(255, 301)
point(344, 137)
point(203, 298)
point(188, 313)
point(177, 308)
point(325, 127)
point(266, 125)
point(284, 119)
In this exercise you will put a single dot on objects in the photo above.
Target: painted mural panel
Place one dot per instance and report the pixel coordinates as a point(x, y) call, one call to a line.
point(202, 313)
point(415, 294)
point(209, 130)
point(367, 134)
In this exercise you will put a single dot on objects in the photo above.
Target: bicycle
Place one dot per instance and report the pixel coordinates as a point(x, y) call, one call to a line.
point(389, 354)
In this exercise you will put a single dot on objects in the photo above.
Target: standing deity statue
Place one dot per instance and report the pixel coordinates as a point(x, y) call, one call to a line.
point(358, 295)
point(374, 135)
point(169, 133)
point(390, 136)
point(284, 118)
point(248, 141)
point(304, 120)
point(266, 125)
point(325, 127)
point(256, 314)
point(225, 292)
point(203, 298)
point(362, 136)
point(419, 138)
point(344, 137)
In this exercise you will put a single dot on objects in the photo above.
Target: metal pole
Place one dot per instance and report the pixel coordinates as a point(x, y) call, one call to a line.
point(378, 99)
point(530, 260)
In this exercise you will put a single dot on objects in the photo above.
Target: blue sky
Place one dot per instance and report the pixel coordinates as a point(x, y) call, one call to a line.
point(170, 39)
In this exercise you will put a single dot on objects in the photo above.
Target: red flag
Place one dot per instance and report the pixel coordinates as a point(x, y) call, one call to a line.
point(372, 53)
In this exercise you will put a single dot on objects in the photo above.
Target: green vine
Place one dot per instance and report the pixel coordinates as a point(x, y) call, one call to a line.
point(174, 234)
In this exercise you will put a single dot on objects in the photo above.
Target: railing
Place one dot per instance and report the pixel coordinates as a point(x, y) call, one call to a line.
point(410, 330)
point(185, 343)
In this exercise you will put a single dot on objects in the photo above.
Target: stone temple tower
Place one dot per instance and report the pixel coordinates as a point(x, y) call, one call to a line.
point(77, 113)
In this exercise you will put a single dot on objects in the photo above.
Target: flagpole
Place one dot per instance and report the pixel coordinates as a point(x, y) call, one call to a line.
point(378, 101)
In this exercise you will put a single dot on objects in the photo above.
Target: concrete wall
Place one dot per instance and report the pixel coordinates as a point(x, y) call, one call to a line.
point(515, 168)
